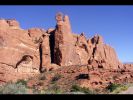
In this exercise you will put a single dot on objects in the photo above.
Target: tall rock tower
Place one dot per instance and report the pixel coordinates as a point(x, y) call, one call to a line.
point(64, 43)
point(73, 49)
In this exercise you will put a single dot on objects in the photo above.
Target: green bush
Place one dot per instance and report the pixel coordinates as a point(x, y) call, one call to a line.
point(112, 87)
point(76, 88)
point(13, 88)
point(119, 89)
point(22, 82)
point(116, 88)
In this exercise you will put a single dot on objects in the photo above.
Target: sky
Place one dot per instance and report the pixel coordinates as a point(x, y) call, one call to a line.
point(114, 23)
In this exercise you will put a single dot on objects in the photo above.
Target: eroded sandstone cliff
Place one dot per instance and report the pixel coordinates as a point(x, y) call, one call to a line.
point(25, 53)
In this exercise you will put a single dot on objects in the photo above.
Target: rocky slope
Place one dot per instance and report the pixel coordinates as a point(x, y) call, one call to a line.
point(26, 53)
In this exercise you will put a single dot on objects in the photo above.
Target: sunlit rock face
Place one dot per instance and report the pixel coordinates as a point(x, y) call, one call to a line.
point(25, 53)
point(73, 49)
point(20, 51)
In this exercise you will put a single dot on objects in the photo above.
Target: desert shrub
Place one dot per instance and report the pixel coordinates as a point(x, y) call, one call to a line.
point(76, 88)
point(23, 82)
point(36, 91)
point(56, 77)
point(42, 77)
point(13, 88)
point(97, 90)
point(119, 89)
point(116, 88)
point(55, 89)
point(58, 91)
point(112, 87)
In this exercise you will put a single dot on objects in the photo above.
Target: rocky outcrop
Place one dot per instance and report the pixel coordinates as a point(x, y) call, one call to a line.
point(128, 67)
point(41, 39)
point(103, 55)
point(20, 51)
point(9, 24)
point(25, 53)
point(64, 49)
point(13, 24)
point(82, 49)
point(72, 49)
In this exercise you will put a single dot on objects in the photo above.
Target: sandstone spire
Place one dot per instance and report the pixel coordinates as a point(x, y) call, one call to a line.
point(64, 44)
point(22, 54)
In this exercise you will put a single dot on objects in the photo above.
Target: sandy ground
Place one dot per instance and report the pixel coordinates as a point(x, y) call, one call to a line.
point(128, 91)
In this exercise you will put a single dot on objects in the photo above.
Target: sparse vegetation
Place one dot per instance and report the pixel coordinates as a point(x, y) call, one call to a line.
point(56, 78)
point(14, 88)
point(76, 88)
point(54, 89)
point(112, 87)
point(20, 87)
point(42, 77)
point(36, 91)
point(23, 82)
point(116, 88)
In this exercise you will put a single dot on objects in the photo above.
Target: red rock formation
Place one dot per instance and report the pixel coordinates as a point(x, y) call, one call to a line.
point(10, 23)
point(3, 24)
point(104, 55)
point(64, 49)
point(128, 67)
point(72, 49)
point(20, 52)
point(82, 49)
point(41, 38)
point(25, 53)
point(13, 24)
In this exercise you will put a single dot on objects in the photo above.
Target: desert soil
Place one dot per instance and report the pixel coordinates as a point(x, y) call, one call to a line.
point(128, 91)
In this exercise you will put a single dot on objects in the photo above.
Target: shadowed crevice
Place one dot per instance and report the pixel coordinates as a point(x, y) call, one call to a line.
point(41, 52)
point(52, 45)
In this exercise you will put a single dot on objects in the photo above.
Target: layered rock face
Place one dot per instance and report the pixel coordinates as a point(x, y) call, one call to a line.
point(41, 39)
point(103, 55)
point(20, 51)
point(64, 49)
point(25, 53)
point(72, 49)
